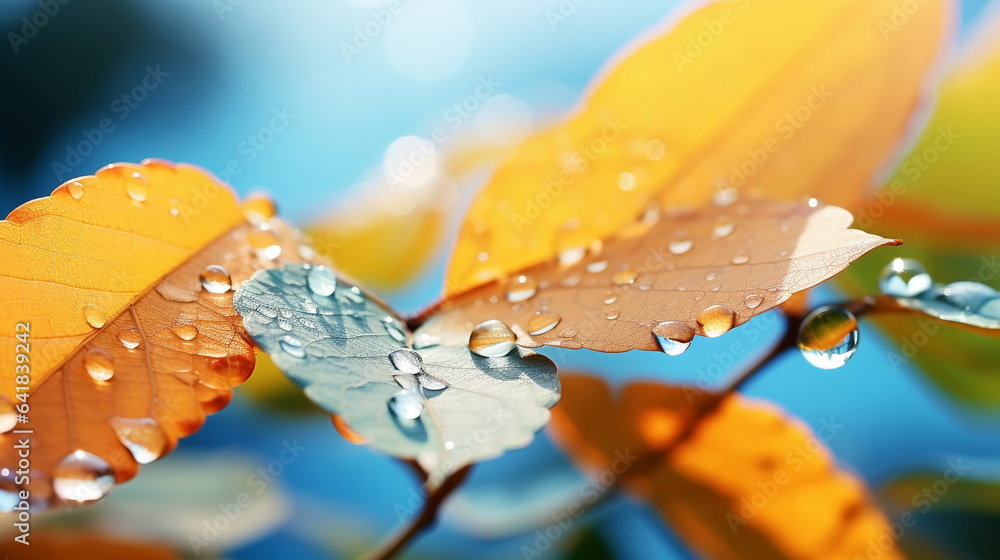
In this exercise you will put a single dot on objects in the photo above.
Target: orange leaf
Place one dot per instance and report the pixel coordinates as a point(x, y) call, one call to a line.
point(80, 547)
point(131, 334)
point(692, 272)
point(781, 98)
point(748, 482)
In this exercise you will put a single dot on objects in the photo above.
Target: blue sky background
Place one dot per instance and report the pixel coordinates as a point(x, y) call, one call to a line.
point(229, 72)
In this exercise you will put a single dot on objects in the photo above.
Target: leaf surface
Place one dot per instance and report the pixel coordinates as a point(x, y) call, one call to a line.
point(749, 483)
point(700, 271)
point(127, 350)
point(771, 97)
point(443, 406)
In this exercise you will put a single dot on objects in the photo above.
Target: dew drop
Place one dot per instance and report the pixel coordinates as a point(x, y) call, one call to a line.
point(570, 281)
point(322, 281)
point(674, 337)
point(753, 301)
point(610, 298)
point(904, 278)
point(626, 181)
point(75, 189)
point(655, 150)
point(724, 196)
point(612, 314)
point(142, 436)
point(431, 383)
point(82, 478)
point(681, 244)
point(716, 321)
point(571, 256)
point(8, 415)
point(99, 365)
point(521, 288)
point(723, 227)
point(130, 338)
point(828, 337)
point(215, 279)
point(543, 322)
point(137, 188)
point(259, 208)
point(94, 315)
point(624, 277)
point(265, 243)
point(354, 294)
point(407, 361)
point(968, 296)
point(292, 346)
point(449, 445)
point(394, 331)
point(185, 332)
point(567, 333)
point(492, 339)
point(407, 404)
point(740, 258)
point(597, 266)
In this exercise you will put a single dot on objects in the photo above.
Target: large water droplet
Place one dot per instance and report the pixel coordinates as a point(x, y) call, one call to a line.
point(828, 337)
point(717, 320)
point(265, 243)
point(259, 208)
point(543, 322)
point(142, 436)
point(8, 414)
point(407, 404)
point(130, 338)
point(99, 365)
point(82, 478)
point(322, 281)
point(904, 278)
point(674, 337)
point(292, 346)
point(94, 315)
point(407, 361)
point(740, 258)
point(521, 288)
point(492, 339)
point(215, 279)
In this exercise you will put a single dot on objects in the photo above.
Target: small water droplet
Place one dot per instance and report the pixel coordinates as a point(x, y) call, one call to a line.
point(354, 294)
point(543, 322)
point(137, 187)
point(259, 208)
point(99, 365)
point(492, 339)
point(185, 332)
point(8, 414)
point(130, 338)
point(674, 337)
point(75, 189)
point(392, 327)
point(94, 315)
point(322, 281)
point(142, 436)
point(407, 361)
point(626, 181)
point(812, 202)
point(655, 150)
point(740, 258)
point(571, 256)
point(753, 301)
point(449, 445)
point(407, 404)
point(612, 314)
point(610, 298)
point(597, 266)
point(293, 347)
point(431, 383)
point(828, 337)
point(904, 278)
point(82, 478)
point(567, 332)
point(265, 243)
point(717, 320)
point(521, 288)
point(570, 281)
point(215, 279)
point(725, 196)
point(710, 276)
point(682, 243)
point(624, 277)
point(723, 227)
point(306, 252)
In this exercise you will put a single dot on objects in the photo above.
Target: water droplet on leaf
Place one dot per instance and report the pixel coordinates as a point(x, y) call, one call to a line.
point(407, 361)
point(828, 337)
point(492, 339)
point(674, 337)
point(716, 321)
point(94, 315)
point(407, 404)
point(293, 347)
point(322, 281)
point(543, 322)
point(130, 338)
point(521, 288)
point(99, 365)
point(82, 478)
point(740, 258)
point(904, 278)
point(142, 436)
point(624, 277)
point(215, 279)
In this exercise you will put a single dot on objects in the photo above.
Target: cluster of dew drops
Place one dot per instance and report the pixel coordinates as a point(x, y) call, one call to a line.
point(82, 477)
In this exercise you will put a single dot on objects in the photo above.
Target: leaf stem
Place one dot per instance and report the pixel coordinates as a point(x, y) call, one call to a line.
point(424, 520)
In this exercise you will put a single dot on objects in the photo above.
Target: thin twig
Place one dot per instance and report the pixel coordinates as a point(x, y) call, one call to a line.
point(425, 519)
